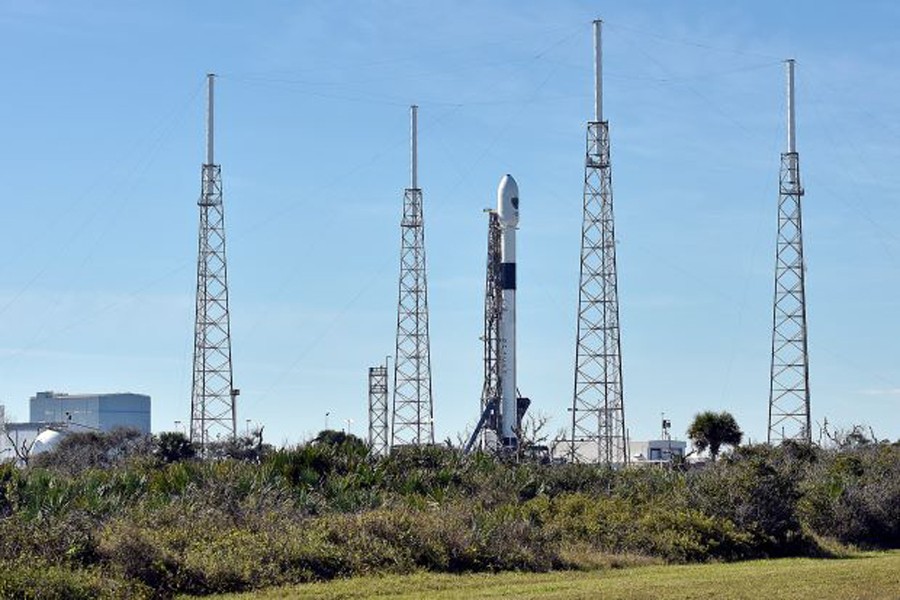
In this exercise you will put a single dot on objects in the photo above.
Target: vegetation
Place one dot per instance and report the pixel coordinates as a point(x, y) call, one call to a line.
point(126, 516)
point(874, 576)
point(710, 430)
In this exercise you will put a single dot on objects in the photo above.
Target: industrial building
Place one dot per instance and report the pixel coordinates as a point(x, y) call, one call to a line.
point(98, 412)
point(61, 413)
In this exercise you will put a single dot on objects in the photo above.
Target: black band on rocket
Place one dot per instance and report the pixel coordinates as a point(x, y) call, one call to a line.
point(508, 276)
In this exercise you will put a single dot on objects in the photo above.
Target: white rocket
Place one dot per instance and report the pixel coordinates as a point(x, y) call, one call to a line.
point(508, 213)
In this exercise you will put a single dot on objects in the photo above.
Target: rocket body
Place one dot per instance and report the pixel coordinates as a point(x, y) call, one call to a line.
point(508, 214)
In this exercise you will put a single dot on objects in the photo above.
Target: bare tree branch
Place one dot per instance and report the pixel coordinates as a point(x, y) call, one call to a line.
point(23, 453)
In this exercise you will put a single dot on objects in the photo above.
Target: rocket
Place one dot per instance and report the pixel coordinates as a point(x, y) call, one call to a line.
point(508, 217)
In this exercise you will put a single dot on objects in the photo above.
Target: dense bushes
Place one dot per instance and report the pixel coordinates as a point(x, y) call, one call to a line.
point(122, 518)
point(757, 493)
point(854, 496)
point(95, 450)
point(32, 580)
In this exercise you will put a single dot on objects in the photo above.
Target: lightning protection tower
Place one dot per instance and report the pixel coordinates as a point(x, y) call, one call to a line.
point(213, 415)
point(493, 305)
point(413, 416)
point(598, 409)
point(789, 417)
point(378, 410)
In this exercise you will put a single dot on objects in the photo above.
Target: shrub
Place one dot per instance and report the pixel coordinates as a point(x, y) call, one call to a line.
point(64, 541)
point(77, 452)
point(854, 496)
point(173, 446)
point(688, 535)
point(755, 491)
point(430, 471)
point(134, 554)
point(247, 448)
point(32, 580)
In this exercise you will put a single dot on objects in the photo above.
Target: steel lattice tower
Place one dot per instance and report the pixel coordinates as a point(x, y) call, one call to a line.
point(789, 417)
point(598, 409)
point(213, 415)
point(493, 302)
point(378, 410)
point(413, 416)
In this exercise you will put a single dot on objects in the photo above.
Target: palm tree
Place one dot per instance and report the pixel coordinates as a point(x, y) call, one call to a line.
point(714, 430)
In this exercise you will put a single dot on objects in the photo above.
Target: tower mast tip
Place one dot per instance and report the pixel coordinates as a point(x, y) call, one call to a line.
point(791, 124)
point(598, 73)
point(413, 136)
point(210, 79)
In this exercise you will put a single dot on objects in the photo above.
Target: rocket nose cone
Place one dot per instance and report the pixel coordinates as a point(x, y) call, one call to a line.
point(508, 200)
point(509, 186)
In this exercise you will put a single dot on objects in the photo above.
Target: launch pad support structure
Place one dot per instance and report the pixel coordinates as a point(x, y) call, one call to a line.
point(378, 410)
point(493, 303)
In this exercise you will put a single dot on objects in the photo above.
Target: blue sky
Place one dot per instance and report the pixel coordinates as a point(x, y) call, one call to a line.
point(101, 140)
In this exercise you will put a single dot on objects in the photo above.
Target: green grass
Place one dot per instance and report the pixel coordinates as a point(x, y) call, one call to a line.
point(863, 577)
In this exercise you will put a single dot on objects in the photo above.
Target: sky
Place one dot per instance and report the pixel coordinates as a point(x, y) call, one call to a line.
point(102, 140)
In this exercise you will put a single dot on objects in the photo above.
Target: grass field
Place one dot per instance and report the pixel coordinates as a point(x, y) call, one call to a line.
point(866, 576)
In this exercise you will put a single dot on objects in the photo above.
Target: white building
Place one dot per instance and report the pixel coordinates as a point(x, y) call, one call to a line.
point(657, 451)
point(98, 412)
point(640, 453)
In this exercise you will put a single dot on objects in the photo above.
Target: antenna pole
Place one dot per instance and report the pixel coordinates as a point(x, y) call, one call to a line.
point(414, 159)
point(598, 73)
point(789, 404)
point(213, 395)
point(413, 413)
point(791, 125)
point(210, 84)
point(598, 409)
